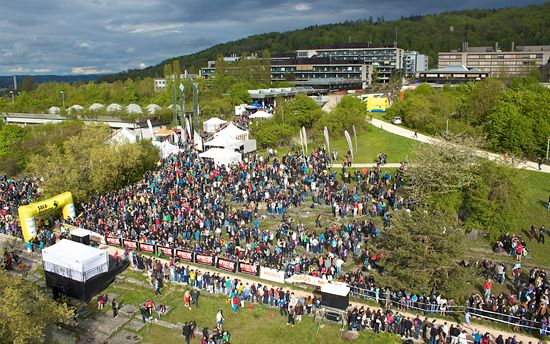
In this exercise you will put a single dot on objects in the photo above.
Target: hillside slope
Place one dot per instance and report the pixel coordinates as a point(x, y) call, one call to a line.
point(428, 34)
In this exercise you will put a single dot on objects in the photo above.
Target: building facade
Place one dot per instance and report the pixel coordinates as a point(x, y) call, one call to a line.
point(414, 62)
point(519, 61)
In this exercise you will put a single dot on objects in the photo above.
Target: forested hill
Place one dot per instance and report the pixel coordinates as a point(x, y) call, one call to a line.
point(427, 34)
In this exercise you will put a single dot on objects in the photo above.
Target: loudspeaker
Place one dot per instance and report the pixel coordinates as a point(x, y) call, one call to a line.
point(81, 239)
point(331, 316)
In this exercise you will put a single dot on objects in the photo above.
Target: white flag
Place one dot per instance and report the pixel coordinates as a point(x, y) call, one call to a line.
point(355, 137)
point(348, 138)
point(327, 141)
point(187, 127)
point(150, 129)
point(305, 137)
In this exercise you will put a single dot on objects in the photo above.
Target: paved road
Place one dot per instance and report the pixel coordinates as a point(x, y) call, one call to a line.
point(300, 292)
point(397, 130)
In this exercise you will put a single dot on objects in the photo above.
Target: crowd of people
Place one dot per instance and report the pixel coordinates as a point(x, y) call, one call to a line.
point(179, 205)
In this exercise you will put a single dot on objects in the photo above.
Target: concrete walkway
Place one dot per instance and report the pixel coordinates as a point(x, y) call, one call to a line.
point(397, 130)
point(300, 292)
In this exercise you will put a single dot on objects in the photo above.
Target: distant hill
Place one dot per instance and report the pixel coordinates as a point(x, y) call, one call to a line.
point(6, 81)
point(428, 34)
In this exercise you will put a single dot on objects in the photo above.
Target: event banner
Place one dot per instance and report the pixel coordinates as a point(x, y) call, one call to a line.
point(250, 269)
point(273, 275)
point(130, 244)
point(165, 250)
point(185, 255)
point(204, 259)
point(147, 248)
point(113, 241)
point(226, 264)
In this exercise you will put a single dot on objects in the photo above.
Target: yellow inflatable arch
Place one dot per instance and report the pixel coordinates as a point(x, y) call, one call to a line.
point(28, 212)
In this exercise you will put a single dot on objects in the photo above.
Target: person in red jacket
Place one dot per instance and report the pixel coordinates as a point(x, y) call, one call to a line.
point(487, 287)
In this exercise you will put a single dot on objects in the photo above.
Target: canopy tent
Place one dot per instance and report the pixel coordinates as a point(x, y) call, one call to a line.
point(54, 110)
point(122, 136)
point(74, 260)
point(212, 124)
point(163, 132)
point(221, 156)
point(261, 114)
point(335, 296)
point(223, 141)
point(114, 107)
point(232, 131)
point(95, 107)
point(166, 148)
point(256, 105)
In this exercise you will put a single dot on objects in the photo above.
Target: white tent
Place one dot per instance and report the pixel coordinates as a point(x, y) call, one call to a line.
point(74, 260)
point(133, 109)
point(221, 156)
point(261, 114)
point(152, 109)
point(232, 131)
point(122, 136)
point(114, 107)
point(75, 108)
point(171, 107)
point(212, 124)
point(223, 141)
point(166, 148)
point(96, 106)
point(54, 110)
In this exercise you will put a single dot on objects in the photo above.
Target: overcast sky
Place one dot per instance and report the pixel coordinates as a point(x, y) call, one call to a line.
point(104, 36)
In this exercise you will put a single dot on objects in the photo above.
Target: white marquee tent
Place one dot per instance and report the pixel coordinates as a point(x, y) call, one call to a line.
point(75, 261)
point(261, 114)
point(221, 156)
point(212, 124)
point(232, 131)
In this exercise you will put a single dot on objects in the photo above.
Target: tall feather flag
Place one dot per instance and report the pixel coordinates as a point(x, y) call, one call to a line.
point(187, 127)
point(183, 135)
point(327, 141)
point(355, 137)
point(305, 137)
point(348, 138)
point(302, 141)
point(150, 129)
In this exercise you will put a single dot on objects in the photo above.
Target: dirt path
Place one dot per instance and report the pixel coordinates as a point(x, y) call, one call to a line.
point(304, 293)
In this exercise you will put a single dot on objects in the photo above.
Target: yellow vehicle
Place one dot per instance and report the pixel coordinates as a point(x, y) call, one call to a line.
point(377, 104)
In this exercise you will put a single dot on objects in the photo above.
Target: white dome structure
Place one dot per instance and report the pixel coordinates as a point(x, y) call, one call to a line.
point(54, 110)
point(133, 109)
point(75, 108)
point(96, 106)
point(171, 108)
point(152, 109)
point(114, 107)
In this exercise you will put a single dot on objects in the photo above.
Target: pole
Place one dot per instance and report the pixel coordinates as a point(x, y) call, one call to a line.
point(447, 129)
point(547, 149)
point(13, 99)
point(62, 98)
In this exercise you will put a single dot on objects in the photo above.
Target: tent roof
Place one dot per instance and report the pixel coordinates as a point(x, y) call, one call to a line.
point(96, 106)
point(231, 130)
point(114, 107)
point(215, 120)
point(261, 114)
point(221, 156)
point(163, 132)
point(133, 108)
point(335, 289)
point(222, 141)
point(72, 251)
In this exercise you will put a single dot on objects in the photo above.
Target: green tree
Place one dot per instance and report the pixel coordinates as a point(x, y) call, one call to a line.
point(27, 84)
point(168, 72)
point(421, 252)
point(27, 312)
point(272, 134)
point(348, 113)
point(299, 111)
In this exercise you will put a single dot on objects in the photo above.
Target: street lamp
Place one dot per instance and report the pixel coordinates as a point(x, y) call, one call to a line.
point(12, 96)
point(62, 97)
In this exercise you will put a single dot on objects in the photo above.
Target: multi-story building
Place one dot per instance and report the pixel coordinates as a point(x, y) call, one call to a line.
point(519, 61)
point(414, 62)
point(387, 61)
point(161, 83)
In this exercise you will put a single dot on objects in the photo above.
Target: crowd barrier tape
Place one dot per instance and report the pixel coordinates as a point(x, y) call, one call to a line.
point(479, 313)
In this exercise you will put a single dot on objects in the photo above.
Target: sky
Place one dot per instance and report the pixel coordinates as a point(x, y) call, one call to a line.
point(106, 36)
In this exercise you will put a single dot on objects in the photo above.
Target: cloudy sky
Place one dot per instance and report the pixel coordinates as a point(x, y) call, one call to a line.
point(103, 36)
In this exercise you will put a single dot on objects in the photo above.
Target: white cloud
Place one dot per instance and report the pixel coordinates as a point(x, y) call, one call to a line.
point(89, 70)
point(84, 45)
point(145, 28)
point(41, 70)
point(142, 65)
point(19, 70)
point(130, 50)
point(302, 7)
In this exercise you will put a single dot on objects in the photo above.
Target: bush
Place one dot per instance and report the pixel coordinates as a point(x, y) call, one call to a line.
point(272, 134)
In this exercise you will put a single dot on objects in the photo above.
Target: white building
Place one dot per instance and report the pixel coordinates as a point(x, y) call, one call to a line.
point(414, 62)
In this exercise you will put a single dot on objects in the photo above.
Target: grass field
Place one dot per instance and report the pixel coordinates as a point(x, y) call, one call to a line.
point(257, 325)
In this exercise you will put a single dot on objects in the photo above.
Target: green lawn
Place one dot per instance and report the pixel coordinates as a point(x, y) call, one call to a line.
point(257, 325)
